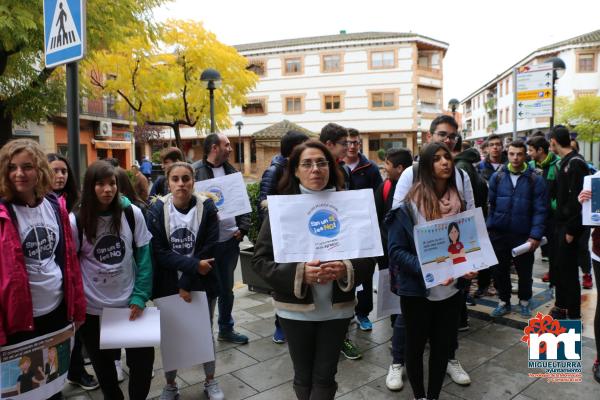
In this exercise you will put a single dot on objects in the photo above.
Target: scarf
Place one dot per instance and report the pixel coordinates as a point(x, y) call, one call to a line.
point(549, 158)
point(515, 172)
point(450, 203)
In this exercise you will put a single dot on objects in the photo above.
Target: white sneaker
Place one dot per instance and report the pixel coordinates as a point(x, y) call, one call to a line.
point(457, 373)
point(213, 391)
point(119, 368)
point(393, 380)
point(169, 392)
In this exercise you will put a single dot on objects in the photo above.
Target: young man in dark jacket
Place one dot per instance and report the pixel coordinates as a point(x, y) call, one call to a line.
point(217, 149)
point(564, 273)
point(495, 158)
point(335, 137)
point(517, 214)
point(168, 156)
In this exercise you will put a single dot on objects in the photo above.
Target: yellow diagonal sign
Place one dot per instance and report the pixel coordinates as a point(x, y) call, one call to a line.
point(534, 94)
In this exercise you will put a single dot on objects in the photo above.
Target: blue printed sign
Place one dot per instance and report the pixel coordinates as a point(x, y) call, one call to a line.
point(324, 223)
point(64, 31)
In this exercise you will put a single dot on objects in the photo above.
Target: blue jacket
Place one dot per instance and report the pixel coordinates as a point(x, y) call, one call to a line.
point(269, 180)
point(521, 210)
point(146, 167)
point(168, 262)
point(366, 174)
point(406, 277)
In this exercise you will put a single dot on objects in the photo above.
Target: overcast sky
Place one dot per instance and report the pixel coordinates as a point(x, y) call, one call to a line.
point(485, 37)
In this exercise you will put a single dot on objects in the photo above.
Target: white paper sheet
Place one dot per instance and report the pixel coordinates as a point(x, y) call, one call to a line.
point(117, 331)
point(525, 247)
point(590, 210)
point(387, 302)
point(186, 334)
point(435, 250)
point(230, 191)
point(325, 226)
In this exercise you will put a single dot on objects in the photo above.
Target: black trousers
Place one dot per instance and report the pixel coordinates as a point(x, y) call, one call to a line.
point(364, 298)
point(315, 349)
point(566, 274)
point(484, 279)
point(76, 367)
point(583, 252)
point(501, 271)
point(436, 322)
point(43, 325)
point(139, 361)
point(596, 266)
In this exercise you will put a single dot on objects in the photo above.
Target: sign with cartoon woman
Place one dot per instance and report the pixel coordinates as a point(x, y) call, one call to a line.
point(325, 226)
point(229, 194)
point(451, 247)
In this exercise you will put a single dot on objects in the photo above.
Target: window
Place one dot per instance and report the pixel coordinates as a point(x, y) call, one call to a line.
point(293, 66)
point(500, 89)
point(583, 93)
point(423, 61)
point(383, 100)
point(501, 112)
point(259, 67)
point(382, 59)
point(293, 104)
point(332, 102)
point(256, 106)
point(507, 114)
point(331, 63)
point(507, 85)
point(586, 62)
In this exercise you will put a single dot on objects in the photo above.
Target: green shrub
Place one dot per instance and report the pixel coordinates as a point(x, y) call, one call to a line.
point(253, 192)
point(156, 157)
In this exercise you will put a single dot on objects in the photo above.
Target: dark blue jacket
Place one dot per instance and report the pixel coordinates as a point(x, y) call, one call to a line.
point(366, 174)
point(486, 169)
point(521, 210)
point(168, 262)
point(406, 277)
point(269, 180)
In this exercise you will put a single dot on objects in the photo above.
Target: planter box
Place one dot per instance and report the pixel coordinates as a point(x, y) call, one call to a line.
point(255, 282)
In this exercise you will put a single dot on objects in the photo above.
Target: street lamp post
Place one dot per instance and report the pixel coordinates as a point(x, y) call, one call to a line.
point(211, 80)
point(239, 126)
point(558, 70)
point(453, 105)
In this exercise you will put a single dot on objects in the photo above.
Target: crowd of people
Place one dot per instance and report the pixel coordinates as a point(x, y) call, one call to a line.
point(57, 267)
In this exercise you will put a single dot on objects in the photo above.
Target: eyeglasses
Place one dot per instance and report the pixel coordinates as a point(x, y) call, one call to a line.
point(309, 165)
point(444, 135)
point(343, 143)
point(353, 142)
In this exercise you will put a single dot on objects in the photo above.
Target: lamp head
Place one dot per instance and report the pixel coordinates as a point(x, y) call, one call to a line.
point(211, 78)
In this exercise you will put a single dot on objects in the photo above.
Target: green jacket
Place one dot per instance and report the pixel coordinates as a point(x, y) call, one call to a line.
point(549, 170)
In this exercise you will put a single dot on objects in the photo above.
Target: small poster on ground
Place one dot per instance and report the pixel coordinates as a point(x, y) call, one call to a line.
point(36, 369)
point(590, 210)
point(451, 247)
point(325, 226)
point(388, 303)
point(229, 194)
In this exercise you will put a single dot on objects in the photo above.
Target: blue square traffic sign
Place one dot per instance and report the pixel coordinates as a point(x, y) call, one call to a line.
point(64, 31)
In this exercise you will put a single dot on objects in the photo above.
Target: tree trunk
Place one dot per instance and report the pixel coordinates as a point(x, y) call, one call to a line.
point(178, 141)
point(6, 121)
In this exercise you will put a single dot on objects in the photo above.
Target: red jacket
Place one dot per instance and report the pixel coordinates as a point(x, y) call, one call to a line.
point(16, 308)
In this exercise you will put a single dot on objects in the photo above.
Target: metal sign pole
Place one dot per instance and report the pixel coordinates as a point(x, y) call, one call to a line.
point(73, 118)
point(514, 135)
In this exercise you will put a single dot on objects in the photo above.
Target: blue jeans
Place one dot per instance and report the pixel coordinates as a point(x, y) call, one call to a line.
point(398, 339)
point(226, 258)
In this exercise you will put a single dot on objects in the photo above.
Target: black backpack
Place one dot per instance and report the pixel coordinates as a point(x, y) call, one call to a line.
point(478, 184)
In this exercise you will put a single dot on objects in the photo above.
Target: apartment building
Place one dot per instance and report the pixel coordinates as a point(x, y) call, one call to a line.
point(386, 85)
point(489, 109)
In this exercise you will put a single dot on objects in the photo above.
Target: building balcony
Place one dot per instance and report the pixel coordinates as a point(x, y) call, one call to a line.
point(429, 72)
point(101, 109)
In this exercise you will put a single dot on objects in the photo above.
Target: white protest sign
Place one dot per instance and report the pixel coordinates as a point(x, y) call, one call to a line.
point(450, 247)
point(590, 210)
point(387, 302)
point(117, 331)
point(186, 337)
point(325, 226)
point(230, 192)
point(36, 369)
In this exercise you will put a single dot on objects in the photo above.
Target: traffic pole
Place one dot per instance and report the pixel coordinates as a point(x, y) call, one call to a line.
point(73, 119)
point(514, 134)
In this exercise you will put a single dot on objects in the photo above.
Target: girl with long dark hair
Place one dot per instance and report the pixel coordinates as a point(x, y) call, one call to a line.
point(114, 252)
point(63, 181)
point(430, 314)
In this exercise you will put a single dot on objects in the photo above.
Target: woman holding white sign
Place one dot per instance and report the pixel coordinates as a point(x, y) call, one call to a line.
point(114, 251)
point(429, 314)
point(314, 300)
point(185, 229)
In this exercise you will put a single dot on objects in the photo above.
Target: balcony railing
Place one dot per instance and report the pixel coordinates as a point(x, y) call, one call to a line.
point(102, 108)
point(428, 71)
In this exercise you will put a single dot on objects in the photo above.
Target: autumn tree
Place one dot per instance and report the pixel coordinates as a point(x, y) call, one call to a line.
point(28, 90)
point(160, 80)
point(583, 114)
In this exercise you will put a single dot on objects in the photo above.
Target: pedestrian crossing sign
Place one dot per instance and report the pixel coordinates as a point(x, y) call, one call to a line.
point(64, 31)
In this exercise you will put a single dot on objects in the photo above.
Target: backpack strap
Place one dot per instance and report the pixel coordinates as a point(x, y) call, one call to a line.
point(79, 230)
point(387, 186)
point(131, 222)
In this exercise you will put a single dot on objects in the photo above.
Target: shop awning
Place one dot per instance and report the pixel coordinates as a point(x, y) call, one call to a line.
point(112, 144)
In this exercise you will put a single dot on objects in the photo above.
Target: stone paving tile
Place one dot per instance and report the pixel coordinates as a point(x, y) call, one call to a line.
point(499, 336)
point(246, 302)
point(267, 375)
point(472, 354)
point(380, 355)
point(352, 374)
point(281, 392)
point(264, 310)
point(379, 384)
point(264, 327)
point(368, 393)
point(264, 349)
point(233, 388)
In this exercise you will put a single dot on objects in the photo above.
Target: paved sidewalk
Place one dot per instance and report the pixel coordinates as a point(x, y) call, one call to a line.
point(262, 370)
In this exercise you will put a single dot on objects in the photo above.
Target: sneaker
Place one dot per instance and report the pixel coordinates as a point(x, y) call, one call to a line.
point(213, 391)
point(558, 313)
point(233, 337)
point(596, 371)
point(169, 392)
point(119, 368)
point(586, 283)
point(86, 382)
point(364, 323)
point(546, 277)
point(457, 373)
point(278, 335)
point(524, 310)
point(501, 310)
point(470, 300)
point(393, 380)
point(350, 350)
point(463, 326)
point(545, 259)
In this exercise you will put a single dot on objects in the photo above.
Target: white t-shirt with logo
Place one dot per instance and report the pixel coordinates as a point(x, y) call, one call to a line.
point(107, 265)
point(182, 230)
point(227, 226)
point(39, 232)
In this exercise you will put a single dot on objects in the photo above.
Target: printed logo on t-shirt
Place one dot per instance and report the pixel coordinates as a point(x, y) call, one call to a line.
point(183, 240)
point(110, 250)
point(39, 243)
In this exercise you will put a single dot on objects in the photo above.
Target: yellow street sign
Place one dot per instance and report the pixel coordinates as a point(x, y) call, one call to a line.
point(534, 94)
